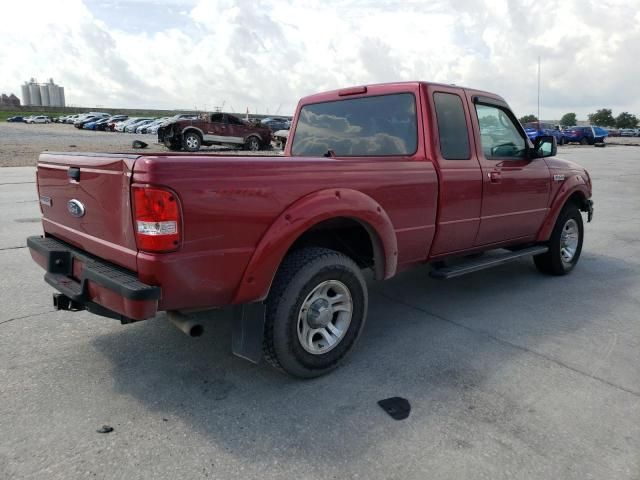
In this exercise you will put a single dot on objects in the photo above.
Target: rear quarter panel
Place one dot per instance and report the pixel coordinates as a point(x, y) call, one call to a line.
point(230, 202)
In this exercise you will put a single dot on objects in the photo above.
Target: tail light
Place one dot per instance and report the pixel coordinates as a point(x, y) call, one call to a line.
point(157, 218)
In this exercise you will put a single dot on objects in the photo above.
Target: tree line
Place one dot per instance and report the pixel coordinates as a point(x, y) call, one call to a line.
point(603, 118)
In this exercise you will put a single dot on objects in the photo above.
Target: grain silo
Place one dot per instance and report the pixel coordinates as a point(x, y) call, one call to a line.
point(44, 95)
point(62, 100)
point(34, 92)
point(54, 94)
point(26, 96)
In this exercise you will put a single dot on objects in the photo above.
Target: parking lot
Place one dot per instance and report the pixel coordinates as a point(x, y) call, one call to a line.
point(21, 143)
point(510, 373)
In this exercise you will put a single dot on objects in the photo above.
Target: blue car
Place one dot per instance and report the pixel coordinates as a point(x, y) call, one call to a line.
point(537, 129)
point(95, 124)
point(586, 135)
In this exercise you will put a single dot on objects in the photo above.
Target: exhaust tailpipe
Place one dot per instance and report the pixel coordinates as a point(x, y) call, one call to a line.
point(186, 324)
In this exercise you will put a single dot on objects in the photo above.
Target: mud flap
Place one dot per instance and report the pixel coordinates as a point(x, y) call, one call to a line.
point(248, 331)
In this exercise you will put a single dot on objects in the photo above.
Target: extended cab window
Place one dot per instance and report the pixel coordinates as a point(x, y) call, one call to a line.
point(499, 135)
point(381, 126)
point(452, 126)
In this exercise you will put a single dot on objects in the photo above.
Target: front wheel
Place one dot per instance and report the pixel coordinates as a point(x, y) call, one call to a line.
point(565, 244)
point(316, 309)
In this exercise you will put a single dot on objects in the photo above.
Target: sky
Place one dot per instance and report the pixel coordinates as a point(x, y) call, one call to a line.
point(263, 55)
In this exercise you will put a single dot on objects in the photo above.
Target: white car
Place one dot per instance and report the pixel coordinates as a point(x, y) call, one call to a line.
point(280, 139)
point(72, 118)
point(122, 125)
point(153, 126)
point(38, 119)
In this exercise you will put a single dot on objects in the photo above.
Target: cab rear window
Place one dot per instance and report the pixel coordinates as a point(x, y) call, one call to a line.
point(383, 125)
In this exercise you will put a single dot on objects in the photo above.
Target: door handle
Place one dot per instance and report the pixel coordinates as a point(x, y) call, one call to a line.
point(494, 177)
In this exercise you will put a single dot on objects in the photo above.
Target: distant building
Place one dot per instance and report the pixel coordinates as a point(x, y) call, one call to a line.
point(9, 101)
point(42, 94)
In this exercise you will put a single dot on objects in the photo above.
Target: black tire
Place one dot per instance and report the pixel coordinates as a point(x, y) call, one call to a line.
point(562, 141)
point(253, 143)
point(173, 146)
point(553, 262)
point(584, 141)
point(191, 142)
point(301, 273)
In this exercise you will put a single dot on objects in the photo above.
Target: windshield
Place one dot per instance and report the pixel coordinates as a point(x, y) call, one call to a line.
point(382, 125)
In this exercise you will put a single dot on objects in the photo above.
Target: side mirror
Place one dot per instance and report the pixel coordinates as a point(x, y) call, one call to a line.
point(545, 146)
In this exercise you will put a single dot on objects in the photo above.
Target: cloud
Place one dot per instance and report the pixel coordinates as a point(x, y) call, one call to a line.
point(265, 54)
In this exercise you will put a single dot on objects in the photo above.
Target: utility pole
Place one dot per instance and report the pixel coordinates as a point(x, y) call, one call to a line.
point(538, 87)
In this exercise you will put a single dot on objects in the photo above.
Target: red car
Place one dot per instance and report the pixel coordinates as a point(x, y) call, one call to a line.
point(213, 129)
point(385, 177)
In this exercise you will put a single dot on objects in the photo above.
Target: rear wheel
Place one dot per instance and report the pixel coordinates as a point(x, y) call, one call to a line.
point(315, 312)
point(584, 141)
point(191, 142)
point(565, 244)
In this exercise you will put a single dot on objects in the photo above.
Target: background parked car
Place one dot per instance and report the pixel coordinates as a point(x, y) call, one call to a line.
point(143, 127)
point(83, 121)
point(15, 119)
point(120, 126)
point(275, 123)
point(105, 124)
point(280, 139)
point(131, 128)
point(627, 132)
point(153, 126)
point(585, 135)
point(91, 125)
point(213, 129)
point(537, 129)
point(38, 119)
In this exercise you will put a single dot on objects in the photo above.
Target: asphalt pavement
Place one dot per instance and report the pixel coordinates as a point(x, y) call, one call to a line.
point(510, 374)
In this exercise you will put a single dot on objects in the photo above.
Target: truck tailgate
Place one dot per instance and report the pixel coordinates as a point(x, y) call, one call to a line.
point(85, 201)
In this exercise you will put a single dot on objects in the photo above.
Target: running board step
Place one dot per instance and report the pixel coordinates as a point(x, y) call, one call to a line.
point(475, 265)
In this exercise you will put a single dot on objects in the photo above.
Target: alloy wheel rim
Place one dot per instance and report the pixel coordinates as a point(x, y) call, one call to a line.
point(324, 317)
point(192, 142)
point(569, 240)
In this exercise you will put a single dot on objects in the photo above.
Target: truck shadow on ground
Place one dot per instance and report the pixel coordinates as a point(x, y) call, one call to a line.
point(436, 343)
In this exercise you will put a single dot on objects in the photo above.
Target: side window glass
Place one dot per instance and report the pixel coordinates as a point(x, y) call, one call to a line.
point(499, 136)
point(380, 125)
point(452, 126)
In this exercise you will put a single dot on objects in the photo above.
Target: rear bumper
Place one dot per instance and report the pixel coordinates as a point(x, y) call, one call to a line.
point(94, 284)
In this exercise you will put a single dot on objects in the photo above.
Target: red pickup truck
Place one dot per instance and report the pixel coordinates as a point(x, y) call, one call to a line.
point(385, 177)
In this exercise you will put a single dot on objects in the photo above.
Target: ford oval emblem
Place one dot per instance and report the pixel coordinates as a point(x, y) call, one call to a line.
point(75, 208)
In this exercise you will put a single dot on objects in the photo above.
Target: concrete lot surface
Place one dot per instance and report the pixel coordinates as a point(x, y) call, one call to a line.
point(511, 374)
